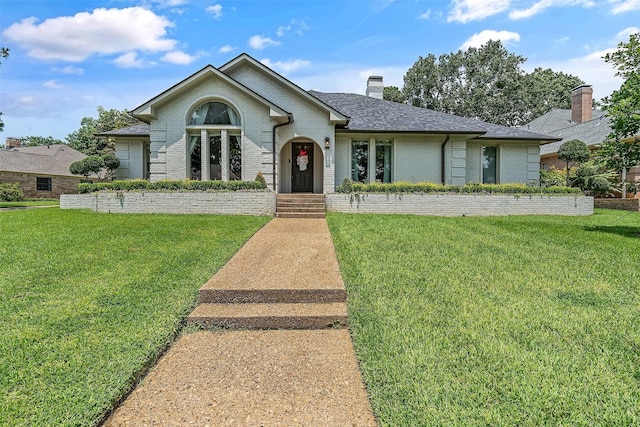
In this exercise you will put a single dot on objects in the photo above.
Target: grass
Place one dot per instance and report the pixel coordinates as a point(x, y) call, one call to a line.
point(27, 203)
point(88, 301)
point(510, 321)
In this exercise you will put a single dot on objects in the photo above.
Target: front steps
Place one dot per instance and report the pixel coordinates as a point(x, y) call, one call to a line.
point(300, 205)
point(285, 277)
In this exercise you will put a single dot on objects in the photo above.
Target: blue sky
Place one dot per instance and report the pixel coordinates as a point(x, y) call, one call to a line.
point(70, 56)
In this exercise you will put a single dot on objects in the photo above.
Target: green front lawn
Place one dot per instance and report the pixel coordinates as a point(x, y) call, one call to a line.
point(88, 301)
point(28, 203)
point(519, 321)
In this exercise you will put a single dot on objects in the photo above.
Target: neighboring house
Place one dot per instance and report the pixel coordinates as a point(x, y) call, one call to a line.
point(243, 118)
point(42, 171)
point(580, 122)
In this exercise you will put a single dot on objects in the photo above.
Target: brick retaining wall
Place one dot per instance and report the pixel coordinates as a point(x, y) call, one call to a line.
point(621, 204)
point(460, 204)
point(223, 203)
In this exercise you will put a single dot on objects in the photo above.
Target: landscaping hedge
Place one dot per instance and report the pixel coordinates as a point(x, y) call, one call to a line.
point(430, 187)
point(160, 186)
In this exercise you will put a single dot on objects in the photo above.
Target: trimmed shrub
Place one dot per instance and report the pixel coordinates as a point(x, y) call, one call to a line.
point(164, 186)
point(260, 179)
point(11, 193)
point(473, 188)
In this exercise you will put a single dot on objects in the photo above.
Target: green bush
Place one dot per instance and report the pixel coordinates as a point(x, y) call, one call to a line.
point(473, 188)
point(260, 179)
point(11, 193)
point(159, 186)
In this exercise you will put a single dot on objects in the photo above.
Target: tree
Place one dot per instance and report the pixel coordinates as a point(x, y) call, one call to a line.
point(574, 151)
point(392, 93)
point(84, 139)
point(102, 166)
point(621, 151)
point(486, 83)
point(30, 141)
point(4, 54)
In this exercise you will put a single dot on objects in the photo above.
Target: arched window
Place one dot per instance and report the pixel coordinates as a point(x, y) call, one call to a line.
point(214, 113)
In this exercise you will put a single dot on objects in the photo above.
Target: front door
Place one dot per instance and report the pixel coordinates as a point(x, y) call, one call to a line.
point(302, 168)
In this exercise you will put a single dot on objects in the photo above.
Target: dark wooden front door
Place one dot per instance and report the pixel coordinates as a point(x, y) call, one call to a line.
point(302, 167)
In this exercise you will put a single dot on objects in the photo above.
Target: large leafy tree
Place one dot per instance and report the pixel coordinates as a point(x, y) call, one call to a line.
point(84, 139)
point(485, 83)
point(622, 149)
point(4, 54)
point(29, 141)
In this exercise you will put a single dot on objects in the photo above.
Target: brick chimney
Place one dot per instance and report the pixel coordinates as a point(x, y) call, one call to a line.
point(581, 109)
point(12, 143)
point(375, 87)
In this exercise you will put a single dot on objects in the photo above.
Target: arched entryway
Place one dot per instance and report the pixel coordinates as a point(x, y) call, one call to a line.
point(301, 167)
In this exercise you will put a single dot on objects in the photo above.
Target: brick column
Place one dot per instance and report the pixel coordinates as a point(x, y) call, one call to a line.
point(224, 154)
point(205, 156)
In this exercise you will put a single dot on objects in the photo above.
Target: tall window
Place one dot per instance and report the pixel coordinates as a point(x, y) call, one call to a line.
point(489, 165)
point(360, 161)
point(215, 157)
point(383, 161)
point(222, 126)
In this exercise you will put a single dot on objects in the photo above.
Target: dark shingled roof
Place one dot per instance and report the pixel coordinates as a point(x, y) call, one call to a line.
point(40, 159)
point(557, 122)
point(377, 115)
point(141, 129)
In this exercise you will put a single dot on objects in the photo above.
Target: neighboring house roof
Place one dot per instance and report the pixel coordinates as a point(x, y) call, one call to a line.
point(41, 159)
point(557, 122)
point(378, 115)
point(141, 129)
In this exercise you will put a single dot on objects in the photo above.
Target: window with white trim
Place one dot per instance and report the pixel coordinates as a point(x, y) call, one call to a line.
point(489, 164)
point(221, 125)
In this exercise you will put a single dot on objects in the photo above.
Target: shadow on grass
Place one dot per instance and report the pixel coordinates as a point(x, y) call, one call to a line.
point(624, 231)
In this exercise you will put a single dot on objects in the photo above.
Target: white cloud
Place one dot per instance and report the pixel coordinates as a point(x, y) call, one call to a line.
point(259, 42)
point(215, 10)
point(533, 10)
point(624, 34)
point(52, 84)
point(475, 10)
point(171, 3)
point(483, 37)
point(541, 5)
point(625, 6)
point(69, 69)
point(101, 32)
point(282, 29)
point(129, 60)
point(425, 15)
point(178, 57)
point(226, 49)
point(286, 66)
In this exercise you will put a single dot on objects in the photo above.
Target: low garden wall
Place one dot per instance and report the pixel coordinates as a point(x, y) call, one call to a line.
point(460, 204)
point(621, 204)
point(221, 203)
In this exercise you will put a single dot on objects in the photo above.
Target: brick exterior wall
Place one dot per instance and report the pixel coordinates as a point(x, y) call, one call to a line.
point(59, 184)
point(460, 205)
point(259, 203)
point(621, 204)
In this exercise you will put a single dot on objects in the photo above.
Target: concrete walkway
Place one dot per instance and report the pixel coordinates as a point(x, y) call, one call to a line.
point(283, 377)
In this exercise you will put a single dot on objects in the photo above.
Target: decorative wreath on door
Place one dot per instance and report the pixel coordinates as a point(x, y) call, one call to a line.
point(303, 159)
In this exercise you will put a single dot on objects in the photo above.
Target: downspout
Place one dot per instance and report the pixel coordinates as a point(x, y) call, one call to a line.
point(442, 162)
point(289, 121)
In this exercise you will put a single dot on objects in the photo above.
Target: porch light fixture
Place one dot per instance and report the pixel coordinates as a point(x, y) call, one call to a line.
point(327, 142)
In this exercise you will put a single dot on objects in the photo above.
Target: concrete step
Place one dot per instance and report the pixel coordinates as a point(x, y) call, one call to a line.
point(319, 209)
point(270, 316)
point(236, 296)
point(300, 214)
